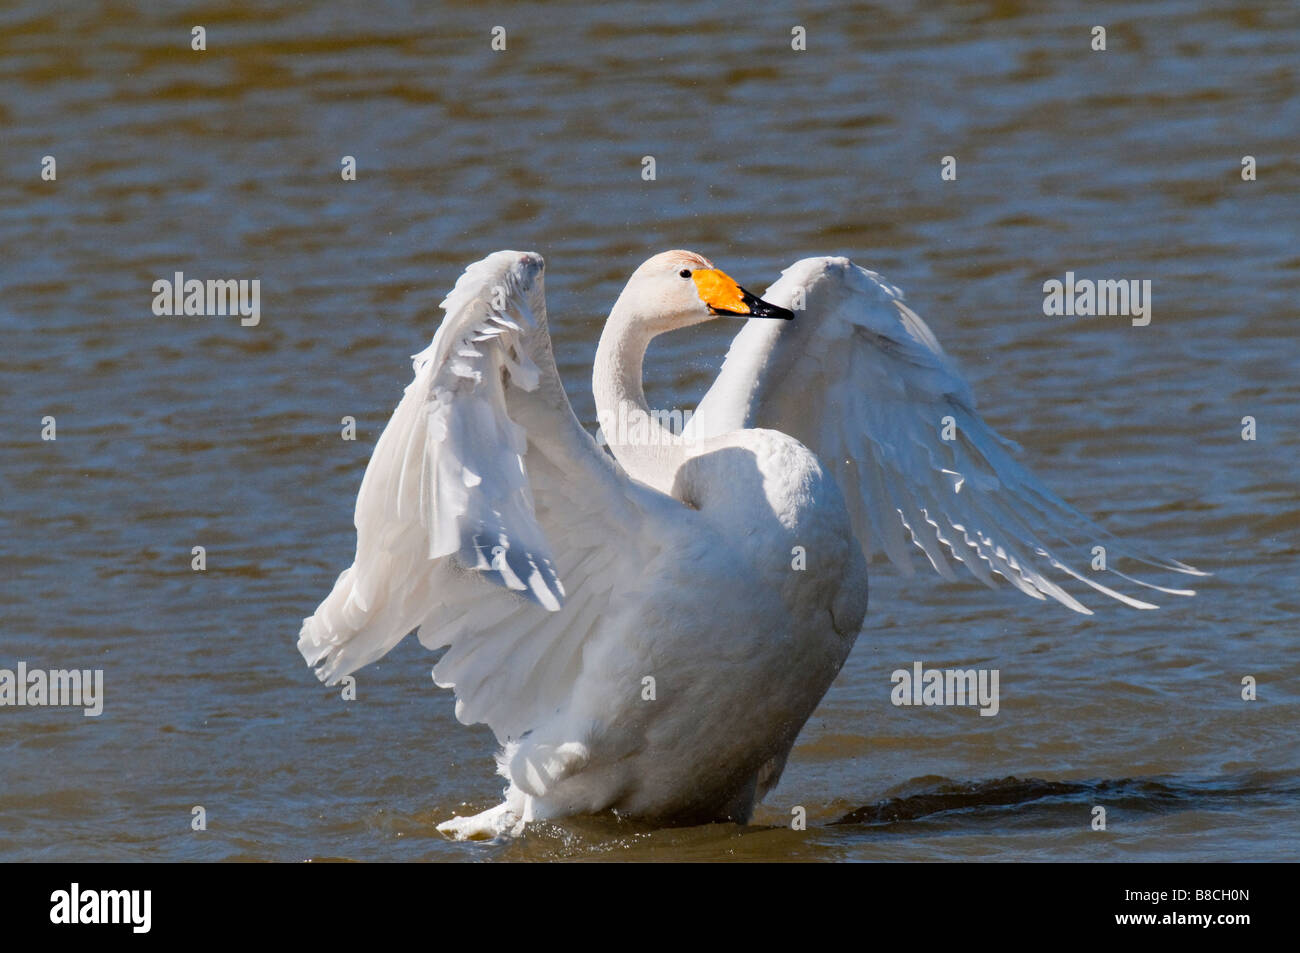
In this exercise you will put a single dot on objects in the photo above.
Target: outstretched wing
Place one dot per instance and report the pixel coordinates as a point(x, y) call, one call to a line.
point(860, 379)
point(487, 516)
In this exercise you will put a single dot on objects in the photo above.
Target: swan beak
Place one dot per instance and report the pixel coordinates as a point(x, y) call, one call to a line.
point(723, 296)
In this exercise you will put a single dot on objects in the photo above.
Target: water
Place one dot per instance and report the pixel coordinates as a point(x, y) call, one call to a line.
point(179, 432)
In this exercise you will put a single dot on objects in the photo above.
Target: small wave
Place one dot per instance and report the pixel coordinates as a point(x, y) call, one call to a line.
point(1162, 794)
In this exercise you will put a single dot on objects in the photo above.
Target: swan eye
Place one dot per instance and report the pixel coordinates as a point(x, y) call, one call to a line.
point(685, 272)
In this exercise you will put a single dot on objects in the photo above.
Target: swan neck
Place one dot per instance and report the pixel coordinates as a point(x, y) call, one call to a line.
point(647, 450)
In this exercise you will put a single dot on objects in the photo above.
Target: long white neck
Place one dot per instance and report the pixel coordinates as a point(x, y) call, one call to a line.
point(647, 450)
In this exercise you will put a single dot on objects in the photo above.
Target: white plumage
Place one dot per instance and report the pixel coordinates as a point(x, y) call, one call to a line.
point(861, 380)
point(639, 634)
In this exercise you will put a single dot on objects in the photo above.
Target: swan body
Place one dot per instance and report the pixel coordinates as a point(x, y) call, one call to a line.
point(734, 679)
point(648, 632)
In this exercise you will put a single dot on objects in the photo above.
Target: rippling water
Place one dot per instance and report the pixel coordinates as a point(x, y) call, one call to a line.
point(177, 432)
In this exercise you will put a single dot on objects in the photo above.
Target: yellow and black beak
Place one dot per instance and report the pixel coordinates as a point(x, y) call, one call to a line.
point(723, 296)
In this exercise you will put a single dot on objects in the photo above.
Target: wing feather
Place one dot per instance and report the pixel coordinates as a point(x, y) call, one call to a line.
point(482, 495)
point(861, 379)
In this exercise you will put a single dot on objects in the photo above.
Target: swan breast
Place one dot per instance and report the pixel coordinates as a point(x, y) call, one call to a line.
point(770, 498)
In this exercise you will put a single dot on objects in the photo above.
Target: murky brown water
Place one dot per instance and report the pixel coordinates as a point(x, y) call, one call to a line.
point(180, 432)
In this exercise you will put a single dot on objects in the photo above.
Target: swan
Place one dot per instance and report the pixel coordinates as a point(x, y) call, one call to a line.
point(646, 630)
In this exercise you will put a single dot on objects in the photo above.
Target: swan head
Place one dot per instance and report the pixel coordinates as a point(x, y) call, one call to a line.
point(676, 289)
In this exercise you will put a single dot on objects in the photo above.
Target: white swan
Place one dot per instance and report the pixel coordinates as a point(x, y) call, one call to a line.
point(677, 615)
